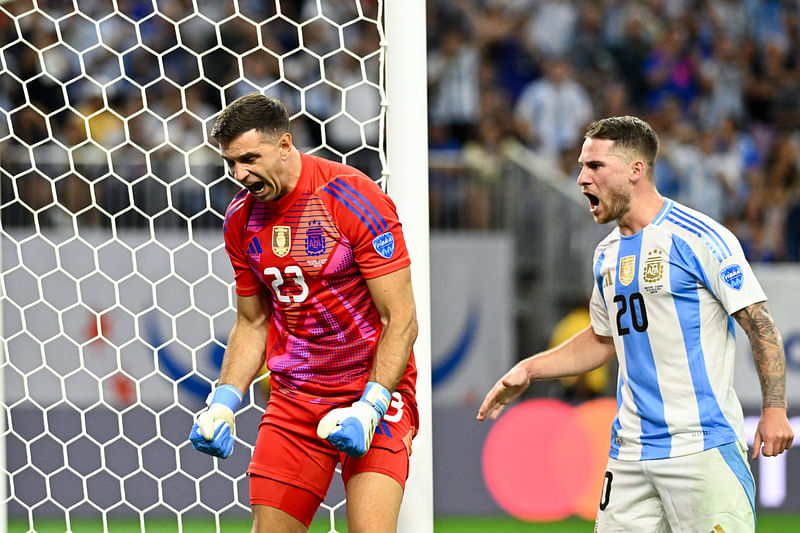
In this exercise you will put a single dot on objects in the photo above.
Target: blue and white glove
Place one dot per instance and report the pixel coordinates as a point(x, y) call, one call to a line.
point(213, 431)
point(350, 429)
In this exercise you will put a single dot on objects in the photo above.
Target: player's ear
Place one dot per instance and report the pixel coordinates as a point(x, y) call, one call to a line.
point(638, 171)
point(285, 144)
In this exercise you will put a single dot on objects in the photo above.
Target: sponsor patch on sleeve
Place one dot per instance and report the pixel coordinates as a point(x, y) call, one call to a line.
point(732, 276)
point(384, 244)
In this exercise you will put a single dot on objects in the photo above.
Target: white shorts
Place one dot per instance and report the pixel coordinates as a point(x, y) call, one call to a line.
point(707, 492)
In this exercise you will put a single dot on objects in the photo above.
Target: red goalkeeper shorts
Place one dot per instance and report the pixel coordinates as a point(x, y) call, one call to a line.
point(292, 468)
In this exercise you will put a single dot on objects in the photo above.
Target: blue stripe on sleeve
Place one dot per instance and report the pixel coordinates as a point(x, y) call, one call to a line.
point(703, 236)
point(705, 227)
point(366, 204)
point(710, 237)
point(355, 205)
point(598, 276)
point(233, 208)
point(352, 208)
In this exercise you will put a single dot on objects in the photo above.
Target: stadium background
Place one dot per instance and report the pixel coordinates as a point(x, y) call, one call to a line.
point(719, 80)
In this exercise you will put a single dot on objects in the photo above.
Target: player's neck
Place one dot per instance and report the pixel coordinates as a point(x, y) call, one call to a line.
point(644, 209)
point(294, 166)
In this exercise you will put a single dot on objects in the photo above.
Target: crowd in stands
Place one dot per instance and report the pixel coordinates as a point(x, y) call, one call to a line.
point(718, 79)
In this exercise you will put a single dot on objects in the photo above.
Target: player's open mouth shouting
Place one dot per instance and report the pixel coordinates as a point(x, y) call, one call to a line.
point(256, 188)
point(594, 201)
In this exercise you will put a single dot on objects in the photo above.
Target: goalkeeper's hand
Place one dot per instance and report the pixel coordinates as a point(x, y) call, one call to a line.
point(213, 431)
point(350, 429)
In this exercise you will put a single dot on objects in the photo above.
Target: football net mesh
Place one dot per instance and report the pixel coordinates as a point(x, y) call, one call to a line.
point(117, 294)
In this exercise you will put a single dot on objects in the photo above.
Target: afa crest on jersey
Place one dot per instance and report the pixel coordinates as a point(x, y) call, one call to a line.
point(384, 244)
point(653, 266)
point(315, 240)
point(281, 240)
point(627, 269)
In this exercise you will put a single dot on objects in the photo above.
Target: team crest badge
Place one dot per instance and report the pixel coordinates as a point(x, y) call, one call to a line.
point(315, 240)
point(384, 244)
point(653, 267)
point(733, 276)
point(281, 240)
point(627, 269)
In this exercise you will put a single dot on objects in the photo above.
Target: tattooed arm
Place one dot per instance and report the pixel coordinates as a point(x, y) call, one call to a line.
point(773, 430)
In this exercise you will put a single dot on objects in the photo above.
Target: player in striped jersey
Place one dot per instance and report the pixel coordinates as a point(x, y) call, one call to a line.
point(669, 283)
point(324, 297)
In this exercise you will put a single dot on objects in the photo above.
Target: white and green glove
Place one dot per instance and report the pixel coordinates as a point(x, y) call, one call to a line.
point(350, 429)
point(213, 431)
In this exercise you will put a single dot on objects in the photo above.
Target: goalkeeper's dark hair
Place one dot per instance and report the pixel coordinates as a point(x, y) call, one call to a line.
point(265, 114)
point(630, 134)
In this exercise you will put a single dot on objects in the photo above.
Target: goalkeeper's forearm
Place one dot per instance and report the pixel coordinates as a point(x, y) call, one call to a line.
point(244, 357)
point(393, 297)
point(393, 352)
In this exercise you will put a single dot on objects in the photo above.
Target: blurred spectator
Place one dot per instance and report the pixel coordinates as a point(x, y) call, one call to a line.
point(720, 79)
point(453, 84)
point(551, 27)
point(553, 111)
point(730, 19)
point(671, 70)
point(629, 51)
point(483, 159)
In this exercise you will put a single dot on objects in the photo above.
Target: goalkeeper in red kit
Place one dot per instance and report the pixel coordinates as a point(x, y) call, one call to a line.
point(324, 296)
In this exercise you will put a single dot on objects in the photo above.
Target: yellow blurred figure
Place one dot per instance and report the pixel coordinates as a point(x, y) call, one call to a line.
point(592, 383)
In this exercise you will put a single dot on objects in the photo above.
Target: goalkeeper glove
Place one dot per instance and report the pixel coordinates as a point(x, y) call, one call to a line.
point(350, 429)
point(213, 431)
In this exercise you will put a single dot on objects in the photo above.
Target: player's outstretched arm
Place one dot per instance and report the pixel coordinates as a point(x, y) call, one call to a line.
point(213, 432)
point(580, 353)
point(773, 432)
point(506, 390)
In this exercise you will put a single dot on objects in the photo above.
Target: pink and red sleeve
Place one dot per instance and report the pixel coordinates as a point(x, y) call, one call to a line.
point(247, 283)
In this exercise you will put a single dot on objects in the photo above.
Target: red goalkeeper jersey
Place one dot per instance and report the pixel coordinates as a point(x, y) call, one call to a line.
point(313, 250)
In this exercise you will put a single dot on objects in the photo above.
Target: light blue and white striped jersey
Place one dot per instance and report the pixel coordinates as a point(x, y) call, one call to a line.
point(665, 294)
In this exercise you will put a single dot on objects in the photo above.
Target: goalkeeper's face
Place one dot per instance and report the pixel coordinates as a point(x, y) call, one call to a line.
point(259, 164)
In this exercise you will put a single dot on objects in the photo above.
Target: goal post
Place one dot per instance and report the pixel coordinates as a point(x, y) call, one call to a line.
point(117, 294)
point(407, 184)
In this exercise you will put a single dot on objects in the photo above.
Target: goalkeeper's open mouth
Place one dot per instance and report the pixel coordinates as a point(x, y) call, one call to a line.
point(256, 188)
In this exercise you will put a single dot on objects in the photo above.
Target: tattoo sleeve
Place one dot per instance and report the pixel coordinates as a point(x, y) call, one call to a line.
point(768, 355)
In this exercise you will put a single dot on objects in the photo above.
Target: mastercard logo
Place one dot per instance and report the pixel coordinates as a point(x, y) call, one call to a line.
point(544, 460)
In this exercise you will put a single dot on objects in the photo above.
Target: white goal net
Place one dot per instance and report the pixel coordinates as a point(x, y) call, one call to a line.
point(117, 293)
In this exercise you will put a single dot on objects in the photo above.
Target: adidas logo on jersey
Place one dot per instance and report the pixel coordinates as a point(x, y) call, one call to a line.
point(254, 249)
